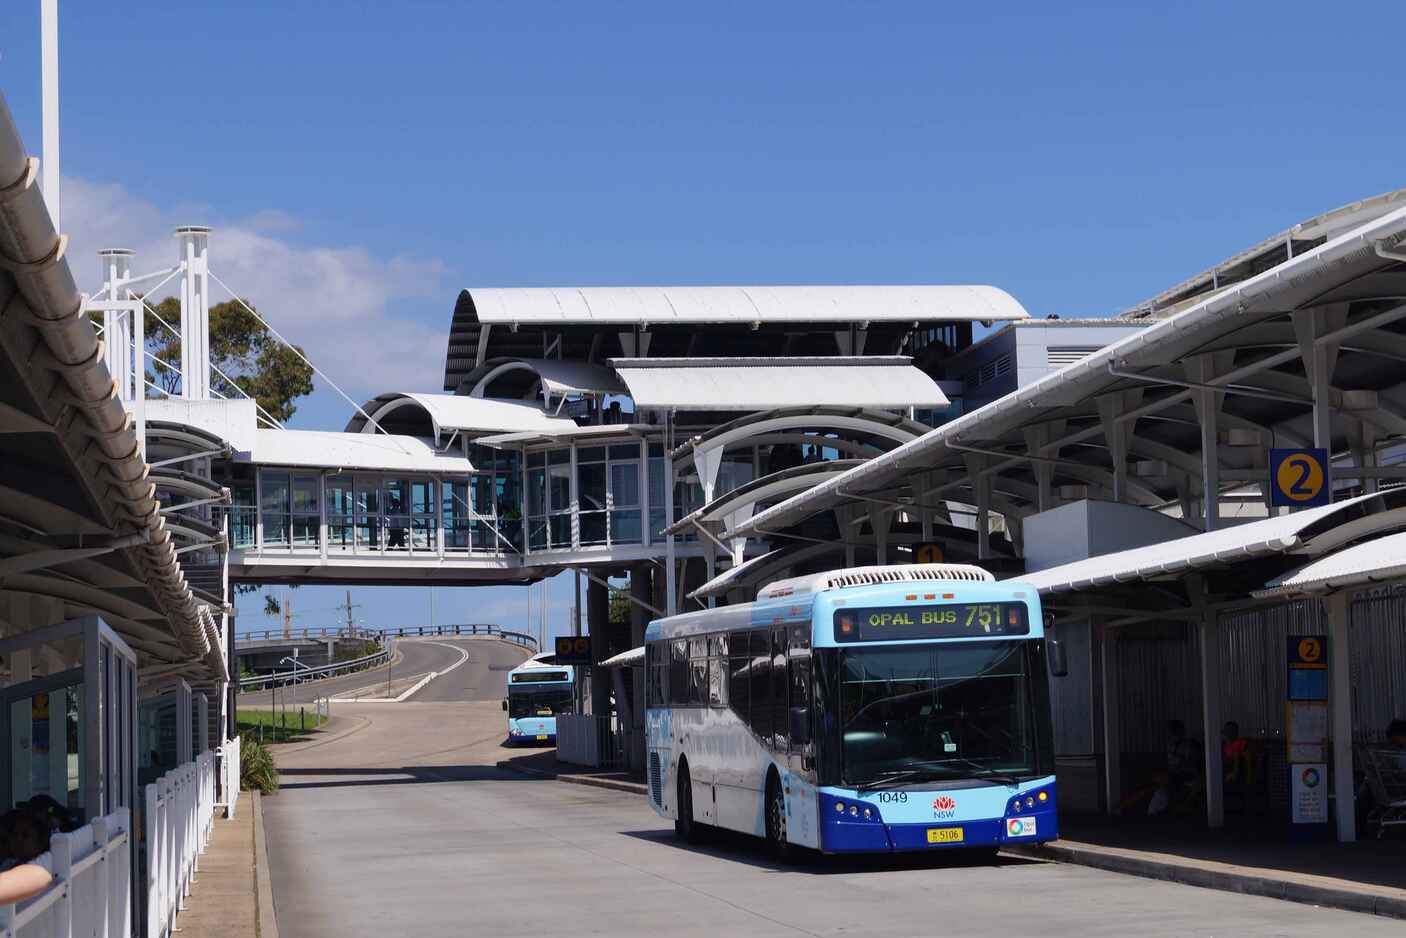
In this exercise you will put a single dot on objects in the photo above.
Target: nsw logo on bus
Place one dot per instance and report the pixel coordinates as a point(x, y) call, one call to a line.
point(944, 806)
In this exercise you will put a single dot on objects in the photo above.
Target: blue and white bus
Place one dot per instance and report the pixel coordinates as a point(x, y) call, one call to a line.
point(869, 709)
point(538, 693)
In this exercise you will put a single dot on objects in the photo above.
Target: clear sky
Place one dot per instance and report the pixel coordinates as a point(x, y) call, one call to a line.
point(361, 161)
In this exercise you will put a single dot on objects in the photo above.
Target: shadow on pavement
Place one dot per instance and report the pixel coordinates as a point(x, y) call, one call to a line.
point(753, 851)
point(404, 775)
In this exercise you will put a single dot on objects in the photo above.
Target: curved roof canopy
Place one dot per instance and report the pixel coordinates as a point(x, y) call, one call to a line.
point(419, 414)
point(1373, 561)
point(331, 450)
point(645, 305)
point(752, 384)
point(550, 375)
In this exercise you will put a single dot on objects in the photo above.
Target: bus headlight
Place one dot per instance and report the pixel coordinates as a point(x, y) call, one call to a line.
point(1016, 805)
point(1029, 801)
point(840, 807)
point(1044, 796)
point(854, 810)
point(868, 814)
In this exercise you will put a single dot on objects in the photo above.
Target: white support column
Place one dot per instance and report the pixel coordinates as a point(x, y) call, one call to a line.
point(1112, 724)
point(1320, 359)
point(1201, 369)
point(1340, 672)
point(194, 242)
point(1211, 718)
point(671, 604)
point(117, 323)
point(49, 93)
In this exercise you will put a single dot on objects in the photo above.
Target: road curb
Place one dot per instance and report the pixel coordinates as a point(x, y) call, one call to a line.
point(1219, 876)
point(591, 781)
point(266, 921)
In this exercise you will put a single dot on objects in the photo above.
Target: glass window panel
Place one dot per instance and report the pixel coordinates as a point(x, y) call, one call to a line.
point(275, 487)
point(536, 460)
point(536, 491)
point(397, 493)
point(339, 496)
point(305, 530)
point(625, 451)
point(421, 496)
point(368, 497)
point(559, 488)
point(625, 526)
point(591, 485)
point(560, 531)
point(276, 530)
point(454, 500)
point(737, 697)
point(422, 533)
point(657, 523)
point(368, 533)
point(339, 534)
point(397, 533)
point(625, 484)
point(656, 450)
point(242, 494)
point(590, 454)
point(559, 457)
point(537, 534)
point(305, 494)
point(593, 527)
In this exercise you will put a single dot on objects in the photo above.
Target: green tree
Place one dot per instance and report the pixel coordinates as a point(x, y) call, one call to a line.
point(271, 605)
point(257, 363)
point(619, 606)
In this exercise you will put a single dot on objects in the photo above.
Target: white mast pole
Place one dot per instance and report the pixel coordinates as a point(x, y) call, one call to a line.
point(49, 94)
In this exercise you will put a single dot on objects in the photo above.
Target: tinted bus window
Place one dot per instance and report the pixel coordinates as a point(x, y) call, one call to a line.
point(760, 683)
point(740, 672)
point(800, 700)
point(678, 673)
point(780, 731)
point(698, 671)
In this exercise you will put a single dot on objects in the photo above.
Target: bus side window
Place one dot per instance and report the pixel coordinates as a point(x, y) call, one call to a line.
point(780, 719)
point(759, 686)
point(678, 673)
point(717, 671)
point(738, 674)
point(800, 700)
point(698, 672)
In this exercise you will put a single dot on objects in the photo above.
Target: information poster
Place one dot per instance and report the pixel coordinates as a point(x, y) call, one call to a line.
point(1308, 793)
point(1307, 730)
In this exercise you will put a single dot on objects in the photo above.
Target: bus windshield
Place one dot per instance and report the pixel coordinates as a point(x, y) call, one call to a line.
point(538, 701)
point(938, 711)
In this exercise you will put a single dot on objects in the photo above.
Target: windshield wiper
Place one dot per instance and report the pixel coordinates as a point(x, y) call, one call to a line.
point(895, 775)
point(1005, 778)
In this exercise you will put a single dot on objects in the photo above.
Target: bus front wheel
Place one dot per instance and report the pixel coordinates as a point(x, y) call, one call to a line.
point(685, 828)
point(776, 820)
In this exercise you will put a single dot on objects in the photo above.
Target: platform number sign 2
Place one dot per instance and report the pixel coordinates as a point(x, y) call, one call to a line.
point(1299, 478)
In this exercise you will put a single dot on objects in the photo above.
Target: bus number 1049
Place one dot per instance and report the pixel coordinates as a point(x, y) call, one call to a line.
point(887, 797)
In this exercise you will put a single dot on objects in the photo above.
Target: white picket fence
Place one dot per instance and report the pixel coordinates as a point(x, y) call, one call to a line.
point(91, 893)
point(180, 809)
point(229, 776)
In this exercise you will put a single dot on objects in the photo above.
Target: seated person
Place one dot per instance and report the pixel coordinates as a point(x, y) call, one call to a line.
point(1235, 755)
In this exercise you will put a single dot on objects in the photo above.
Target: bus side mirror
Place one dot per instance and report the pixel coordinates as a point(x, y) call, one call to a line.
point(505, 705)
point(1059, 661)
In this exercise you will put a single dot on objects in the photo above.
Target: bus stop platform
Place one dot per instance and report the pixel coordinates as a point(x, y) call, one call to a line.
point(1363, 876)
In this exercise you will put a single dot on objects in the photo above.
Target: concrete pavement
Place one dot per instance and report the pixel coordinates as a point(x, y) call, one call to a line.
point(405, 825)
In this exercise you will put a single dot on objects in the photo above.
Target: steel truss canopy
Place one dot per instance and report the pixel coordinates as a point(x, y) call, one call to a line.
point(602, 322)
point(1126, 422)
point(753, 384)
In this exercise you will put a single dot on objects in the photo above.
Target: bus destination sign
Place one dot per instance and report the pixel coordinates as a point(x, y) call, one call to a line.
point(539, 677)
point(947, 620)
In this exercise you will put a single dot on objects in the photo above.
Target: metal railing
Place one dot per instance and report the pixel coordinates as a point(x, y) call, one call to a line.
point(310, 633)
point(229, 777)
point(517, 638)
point(91, 890)
point(180, 810)
point(299, 675)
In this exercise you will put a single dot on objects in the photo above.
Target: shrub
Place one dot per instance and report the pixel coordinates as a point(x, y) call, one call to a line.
point(257, 771)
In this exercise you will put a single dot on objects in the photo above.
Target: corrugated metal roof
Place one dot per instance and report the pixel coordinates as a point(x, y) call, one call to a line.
point(332, 450)
point(1277, 535)
point(767, 383)
point(626, 659)
point(1370, 562)
point(638, 305)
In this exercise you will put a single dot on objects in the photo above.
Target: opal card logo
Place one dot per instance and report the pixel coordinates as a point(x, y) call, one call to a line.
point(1020, 827)
point(944, 806)
point(1310, 778)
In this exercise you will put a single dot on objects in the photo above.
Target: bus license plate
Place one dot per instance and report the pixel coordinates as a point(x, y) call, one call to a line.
point(944, 835)
point(542, 736)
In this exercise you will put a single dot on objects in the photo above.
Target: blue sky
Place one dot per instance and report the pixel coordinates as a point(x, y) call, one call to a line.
point(362, 161)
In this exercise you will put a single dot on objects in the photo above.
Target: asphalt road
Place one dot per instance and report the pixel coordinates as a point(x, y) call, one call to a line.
point(400, 824)
point(481, 677)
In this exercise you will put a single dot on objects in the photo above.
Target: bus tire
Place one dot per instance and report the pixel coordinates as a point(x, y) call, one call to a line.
point(685, 827)
point(776, 820)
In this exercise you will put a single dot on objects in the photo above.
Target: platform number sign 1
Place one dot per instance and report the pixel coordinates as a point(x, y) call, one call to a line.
point(1299, 478)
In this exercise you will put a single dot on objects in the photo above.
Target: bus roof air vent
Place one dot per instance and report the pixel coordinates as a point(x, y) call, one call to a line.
point(865, 576)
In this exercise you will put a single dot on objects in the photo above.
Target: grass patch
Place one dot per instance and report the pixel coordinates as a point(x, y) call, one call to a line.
point(277, 726)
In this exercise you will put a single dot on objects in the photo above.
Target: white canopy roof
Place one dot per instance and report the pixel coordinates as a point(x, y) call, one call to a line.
point(626, 659)
point(765, 383)
point(1313, 530)
point(1369, 562)
point(450, 412)
point(332, 450)
point(641, 305)
point(557, 376)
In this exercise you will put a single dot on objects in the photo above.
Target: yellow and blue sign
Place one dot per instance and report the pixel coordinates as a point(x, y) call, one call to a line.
point(1299, 478)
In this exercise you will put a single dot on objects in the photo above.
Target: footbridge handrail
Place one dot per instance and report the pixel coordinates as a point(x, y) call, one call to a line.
point(299, 675)
point(481, 628)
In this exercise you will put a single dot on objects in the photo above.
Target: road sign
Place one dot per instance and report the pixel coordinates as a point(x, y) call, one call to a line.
point(1299, 478)
point(573, 650)
point(928, 553)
